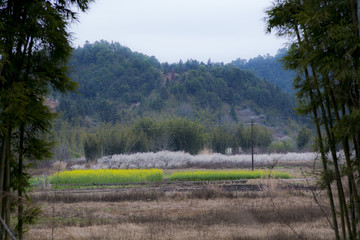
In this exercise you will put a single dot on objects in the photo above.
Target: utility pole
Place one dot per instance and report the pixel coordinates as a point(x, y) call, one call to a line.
point(252, 144)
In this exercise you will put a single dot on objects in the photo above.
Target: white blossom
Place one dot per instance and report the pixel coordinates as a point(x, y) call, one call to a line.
point(169, 160)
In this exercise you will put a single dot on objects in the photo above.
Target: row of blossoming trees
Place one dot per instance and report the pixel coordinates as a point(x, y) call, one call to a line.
point(325, 51)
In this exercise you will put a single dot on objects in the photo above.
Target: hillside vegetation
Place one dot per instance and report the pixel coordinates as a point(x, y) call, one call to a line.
point(128, 102)
point(118, 85)
point(269, 68)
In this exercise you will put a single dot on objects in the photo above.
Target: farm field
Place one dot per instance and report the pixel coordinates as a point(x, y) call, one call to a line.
point(206, 175)
point(107, 176)
point(228, 210)
point(99, 177)
point(209, 213)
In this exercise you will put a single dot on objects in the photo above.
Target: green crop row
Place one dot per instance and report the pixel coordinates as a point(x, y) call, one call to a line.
point(212, 175)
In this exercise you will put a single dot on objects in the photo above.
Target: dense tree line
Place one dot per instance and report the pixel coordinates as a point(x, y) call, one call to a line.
point(174, 134)
point(325, 53)
point(143, 136)
point(117, 84)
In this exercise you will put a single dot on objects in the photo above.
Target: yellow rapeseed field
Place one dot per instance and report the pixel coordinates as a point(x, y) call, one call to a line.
point(107, 176)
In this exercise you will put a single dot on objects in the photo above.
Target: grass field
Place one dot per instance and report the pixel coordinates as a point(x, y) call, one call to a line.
point(272, 214)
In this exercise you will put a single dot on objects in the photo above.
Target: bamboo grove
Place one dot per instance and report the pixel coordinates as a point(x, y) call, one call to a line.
point(324, 50)
point(34, 49)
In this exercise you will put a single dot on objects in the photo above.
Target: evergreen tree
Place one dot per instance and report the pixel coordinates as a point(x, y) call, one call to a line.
point(325, 54)
point(34, 47)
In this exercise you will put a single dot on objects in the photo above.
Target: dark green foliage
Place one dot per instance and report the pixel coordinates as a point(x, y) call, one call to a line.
point(143, 136)
point(220, 139)
point(303, 137)
point(325, 53)
point(113, 79)
point(164, 93)
point(34, 49)
point(157, 104)
point(269, 68)
point(186, 135)
point(146, 129)
point(176, 134)
point(283, 146)
point(115, 143)
point(92, 147)
point(262, 136)
point(109, 76)
point(233, 113)
point(68, 140)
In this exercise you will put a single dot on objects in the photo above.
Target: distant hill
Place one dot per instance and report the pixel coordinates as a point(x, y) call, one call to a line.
point(118, 85)
point(270, 68)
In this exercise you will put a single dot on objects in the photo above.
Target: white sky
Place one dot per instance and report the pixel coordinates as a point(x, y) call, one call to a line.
point(170, 30)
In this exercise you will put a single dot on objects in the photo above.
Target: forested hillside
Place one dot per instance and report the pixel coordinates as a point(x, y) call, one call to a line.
point(118, 85)
point(269, 68)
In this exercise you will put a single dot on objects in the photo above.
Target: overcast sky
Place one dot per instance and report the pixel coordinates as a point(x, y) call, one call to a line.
point(170, 30)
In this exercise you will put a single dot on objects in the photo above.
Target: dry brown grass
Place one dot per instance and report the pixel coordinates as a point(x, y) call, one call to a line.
point(210, 214)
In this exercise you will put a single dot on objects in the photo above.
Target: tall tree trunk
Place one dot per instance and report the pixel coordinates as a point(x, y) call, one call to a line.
point(20, 190)
point(326, 174)
point(327, 122)
point(322, 152)
point(3, 164)
point(354, 197)
point(7, 190)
